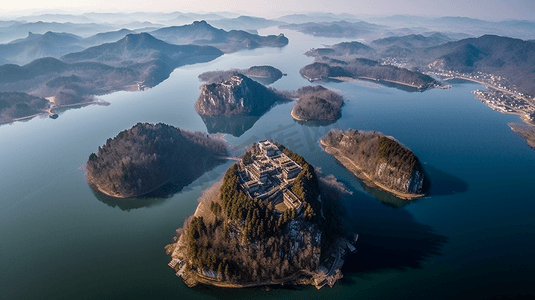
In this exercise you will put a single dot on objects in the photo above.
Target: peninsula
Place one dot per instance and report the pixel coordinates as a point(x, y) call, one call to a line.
point(147, 156)
point(317, 103)
point(362, 68)
point(379, 161)
point(262, 224)
point(527, 132)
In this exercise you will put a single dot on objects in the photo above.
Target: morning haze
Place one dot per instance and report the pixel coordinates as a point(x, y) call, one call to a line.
point(267, 149)
point(481, 9)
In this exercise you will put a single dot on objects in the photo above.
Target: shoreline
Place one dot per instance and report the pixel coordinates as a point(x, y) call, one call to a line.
point(49, 111)
point(296, 118)
point(521, 114)
point(358, 172)
point(351, 79)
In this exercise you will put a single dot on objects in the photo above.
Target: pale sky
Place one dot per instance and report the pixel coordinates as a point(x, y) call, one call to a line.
point(481, 9)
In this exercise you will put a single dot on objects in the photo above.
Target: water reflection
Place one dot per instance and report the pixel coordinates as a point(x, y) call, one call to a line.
point(128, 204)
point(384, 197)
point(442, 183)
point(235, 125)
point(166, 191)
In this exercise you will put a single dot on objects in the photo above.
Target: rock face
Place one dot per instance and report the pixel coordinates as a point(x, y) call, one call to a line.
point(378, 160)
point(238, 95)
point(147, 156)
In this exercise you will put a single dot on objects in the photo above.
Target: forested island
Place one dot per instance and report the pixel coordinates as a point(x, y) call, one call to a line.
point(379, 161)
point(238, 95)
point(317, 103)
point(148, 156)
point(262, 224)
point(262, 74)
point(362, 68)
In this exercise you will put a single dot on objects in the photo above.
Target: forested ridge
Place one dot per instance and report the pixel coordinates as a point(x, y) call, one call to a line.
point(362, 67)
point(147, 156)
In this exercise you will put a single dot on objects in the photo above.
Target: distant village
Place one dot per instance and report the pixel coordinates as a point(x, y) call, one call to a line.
point(268, 175)
point(501, 96)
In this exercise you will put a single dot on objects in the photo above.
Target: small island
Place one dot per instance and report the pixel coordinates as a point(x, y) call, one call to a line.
point(379, 161)
point(317, 103)
point(262, 224)
point(238, 95)
point(263, 74)
point(147, 156)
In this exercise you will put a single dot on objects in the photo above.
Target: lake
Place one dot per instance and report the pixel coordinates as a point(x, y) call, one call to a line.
point(473, 236)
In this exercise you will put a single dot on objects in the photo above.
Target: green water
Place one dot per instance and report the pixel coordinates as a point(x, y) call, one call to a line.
point(473, 236)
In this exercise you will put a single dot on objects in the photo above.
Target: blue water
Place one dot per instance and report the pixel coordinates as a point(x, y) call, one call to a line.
point(473, 236)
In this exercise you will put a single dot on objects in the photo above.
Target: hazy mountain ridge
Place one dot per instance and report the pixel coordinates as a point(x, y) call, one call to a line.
point(202, 33)
point(503, 56)
point(335, 29)
point(134, 62)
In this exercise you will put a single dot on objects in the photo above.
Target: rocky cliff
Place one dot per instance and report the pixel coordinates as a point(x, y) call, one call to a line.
point(378, 160)
point(238, 95)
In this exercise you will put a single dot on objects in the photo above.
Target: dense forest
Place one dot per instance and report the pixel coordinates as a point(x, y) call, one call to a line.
point(382, 158)
point(243, 240)
point(16, 105)
point(147, 156)
point(317, 103)
point(239, 95)
point(365, 68)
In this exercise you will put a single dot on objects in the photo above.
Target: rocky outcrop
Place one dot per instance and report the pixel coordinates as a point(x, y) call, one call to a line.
point(238, 95)
point(378, 160)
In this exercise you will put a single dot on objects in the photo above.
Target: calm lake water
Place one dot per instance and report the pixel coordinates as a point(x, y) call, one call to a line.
point(473, 236)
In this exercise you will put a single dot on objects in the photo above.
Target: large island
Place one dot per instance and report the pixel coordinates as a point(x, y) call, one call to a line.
point(148, 156)
point(262, 224)
point(379, 161)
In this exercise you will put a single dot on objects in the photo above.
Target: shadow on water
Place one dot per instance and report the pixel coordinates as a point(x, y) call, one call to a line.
point(235, 125)
point(389, 239)
point(443, 184)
